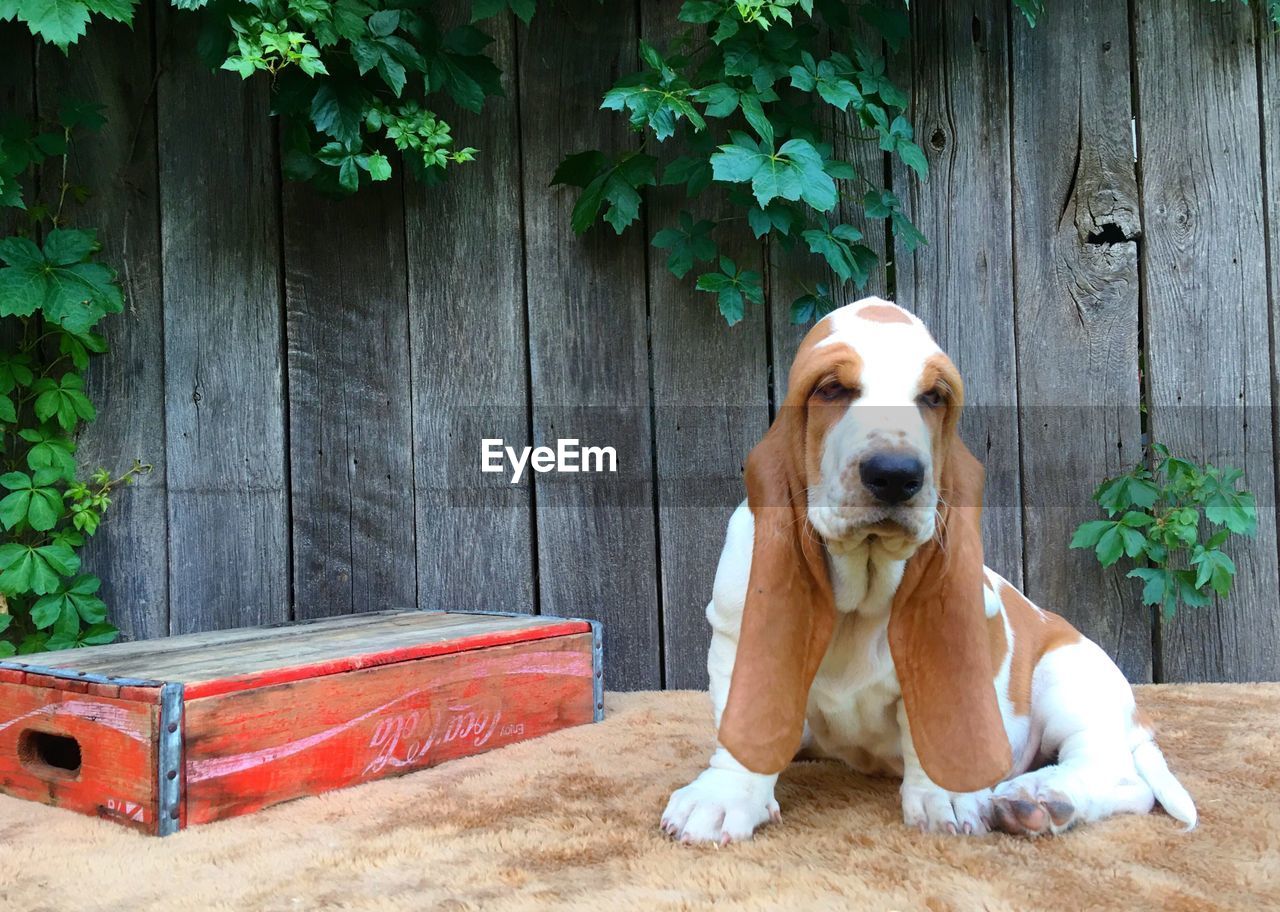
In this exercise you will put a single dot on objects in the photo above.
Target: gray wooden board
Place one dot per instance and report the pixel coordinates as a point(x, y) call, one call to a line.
point(588, 344)
point(214, 654)
point(711, 405)
point(469, 364)
point(225, 425)
point(1269, 90)
point(1077, 310)
point(350, 436)
point(1204, 276)
point(118, 165)
point(961, 282)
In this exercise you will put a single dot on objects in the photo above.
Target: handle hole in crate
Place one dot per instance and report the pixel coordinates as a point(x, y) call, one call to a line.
point(45, 752)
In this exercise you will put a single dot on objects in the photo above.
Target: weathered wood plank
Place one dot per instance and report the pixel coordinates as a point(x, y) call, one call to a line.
point(350, 435)
point(118, 164)
point(475, 547)
point(219, 207)
point(1269, 91)
point(961, 282)
point(711, 405)
point(587, 340)
point(211, 655)
point(255, 748)
point(116, 769)
point(1076, 218)
point(1204, 278)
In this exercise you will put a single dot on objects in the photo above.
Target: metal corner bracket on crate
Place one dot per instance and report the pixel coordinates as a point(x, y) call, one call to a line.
point(165, 734)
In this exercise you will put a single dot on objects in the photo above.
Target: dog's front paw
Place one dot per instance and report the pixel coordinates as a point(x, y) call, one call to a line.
point(934, 810)
point(720, 806)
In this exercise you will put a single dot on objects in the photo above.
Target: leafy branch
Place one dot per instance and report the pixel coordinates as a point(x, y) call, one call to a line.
point(1158, 520)
point(753, 109)
point(53, 293)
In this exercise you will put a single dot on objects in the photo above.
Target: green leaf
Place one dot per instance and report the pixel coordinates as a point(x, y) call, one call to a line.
point(721, 100)
point(891, 22)
point(65, 246)
point(73, 602)
point(689, 242)
point(700, 11)
point(733, 288)
point(1188, 591)
point(812, 306)
point(794, 172)
point(1087, 534)
point(384, 22)
point(31, 569)
point(1032, 10)
point(63, 400)
point(337, 109)
point(754, 113)
point(848, 259)
point(32, 500)
point(1215, 568)
point(379, 167)
point(50, 450)
point(1237, 510)
point(1110, 546)
point(580, 169)
point(18, 251)
point(617, 186)
point(21, 291)
point(99, 635)
point(1156, 588)
point(15, 371)
point(59, 22)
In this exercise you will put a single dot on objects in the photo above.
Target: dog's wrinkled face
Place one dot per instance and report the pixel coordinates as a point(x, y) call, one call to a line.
point(882, 401)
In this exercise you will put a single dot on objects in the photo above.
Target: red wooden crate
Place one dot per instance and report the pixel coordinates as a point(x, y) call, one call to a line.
point(163, 734)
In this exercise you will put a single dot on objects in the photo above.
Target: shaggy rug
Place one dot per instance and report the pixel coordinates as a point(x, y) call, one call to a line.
point(571, 821)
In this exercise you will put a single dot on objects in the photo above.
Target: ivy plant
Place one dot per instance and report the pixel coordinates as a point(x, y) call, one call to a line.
point(355, 81)
point(753, 94)
point(1172, 521)
point(53, 292)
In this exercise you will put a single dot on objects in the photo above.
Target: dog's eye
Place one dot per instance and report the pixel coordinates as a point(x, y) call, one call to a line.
point(832, 391)
point(931, 399)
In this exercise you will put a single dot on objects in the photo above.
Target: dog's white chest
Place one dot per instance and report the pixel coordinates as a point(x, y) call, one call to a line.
point(853, 704)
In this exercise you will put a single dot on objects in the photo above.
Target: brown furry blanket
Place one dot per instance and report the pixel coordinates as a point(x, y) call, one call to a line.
point(571, 821)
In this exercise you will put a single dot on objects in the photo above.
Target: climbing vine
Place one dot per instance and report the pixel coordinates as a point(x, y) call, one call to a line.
point(53, 292)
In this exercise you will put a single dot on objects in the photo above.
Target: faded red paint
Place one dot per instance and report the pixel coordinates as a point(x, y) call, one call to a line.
point(253, 740)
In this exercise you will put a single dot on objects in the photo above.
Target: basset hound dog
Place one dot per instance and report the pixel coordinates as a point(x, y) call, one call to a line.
point(852, 618)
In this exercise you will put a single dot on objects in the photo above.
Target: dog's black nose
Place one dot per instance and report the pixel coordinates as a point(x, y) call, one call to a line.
point(892, 477)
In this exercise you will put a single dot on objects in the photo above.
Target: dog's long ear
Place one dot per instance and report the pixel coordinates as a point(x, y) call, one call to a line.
point(789, 612)
point(938, 637)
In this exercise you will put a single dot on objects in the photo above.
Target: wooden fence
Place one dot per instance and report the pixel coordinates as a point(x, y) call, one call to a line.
point(311, 379)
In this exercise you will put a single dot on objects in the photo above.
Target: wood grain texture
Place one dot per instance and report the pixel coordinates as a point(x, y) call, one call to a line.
point(249, 750)
point(961, 282)
point(350, 435)
point(1076, 223)
point(1204, 278)
point(588, 345)
point(225, 422)
point(118, 164)
point(1269, 91)
point(711, 405)
point(226, 660)
point(116, 776)
point(475, 546)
